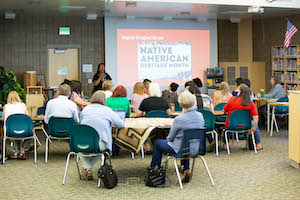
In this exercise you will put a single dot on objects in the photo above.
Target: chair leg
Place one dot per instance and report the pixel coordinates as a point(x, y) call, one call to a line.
point(276, 126)
point(102, 163)
point(212, 135)
point(68, 159)
point(178, 174)
point(47, 136)
point(272, 121)
point(217, 143)
point(142, 151)
point(35, 153)
point(132, 155)
point(207, 170)
point(3, 153)
point(46, 151)
point(77, 161)
point(254, 144)
point(166, 163)
point(227, 145)
point(237, 137)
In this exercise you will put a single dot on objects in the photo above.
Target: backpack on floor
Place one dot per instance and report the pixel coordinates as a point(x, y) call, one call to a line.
point(155, 177)
point(108, 176)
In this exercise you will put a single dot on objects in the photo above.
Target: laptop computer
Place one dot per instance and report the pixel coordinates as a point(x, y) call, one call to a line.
point(121, 114)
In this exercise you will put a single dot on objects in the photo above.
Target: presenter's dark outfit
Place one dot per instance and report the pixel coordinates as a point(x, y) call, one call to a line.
point(104, 78)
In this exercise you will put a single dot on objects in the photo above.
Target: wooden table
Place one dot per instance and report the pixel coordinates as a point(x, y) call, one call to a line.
point(274, 104)
point(137, 131)
point(267, 101)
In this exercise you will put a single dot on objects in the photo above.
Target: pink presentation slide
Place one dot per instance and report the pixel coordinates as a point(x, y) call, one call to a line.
point(163, 56)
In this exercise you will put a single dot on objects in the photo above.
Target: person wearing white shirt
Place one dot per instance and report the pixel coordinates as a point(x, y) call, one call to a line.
point(62, 106)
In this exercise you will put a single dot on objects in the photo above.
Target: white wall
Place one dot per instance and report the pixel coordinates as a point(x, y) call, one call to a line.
point(111, 24)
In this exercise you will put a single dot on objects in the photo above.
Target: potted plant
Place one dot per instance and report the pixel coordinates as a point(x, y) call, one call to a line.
point(8, 83)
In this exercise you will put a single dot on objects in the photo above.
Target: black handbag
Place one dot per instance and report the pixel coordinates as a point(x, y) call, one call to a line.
point(108, 176)
point(155, 177)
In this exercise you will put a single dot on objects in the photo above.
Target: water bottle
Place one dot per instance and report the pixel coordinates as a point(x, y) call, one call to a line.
point(262, 93)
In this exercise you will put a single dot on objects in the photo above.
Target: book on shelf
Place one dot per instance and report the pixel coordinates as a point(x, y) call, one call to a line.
point(291, 51)
point(290, 77)
point(291, 87)
point(290, 64)
point(277, 64)
point(277, 52)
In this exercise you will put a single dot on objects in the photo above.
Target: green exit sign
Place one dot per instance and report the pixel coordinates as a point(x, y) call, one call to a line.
point(64, 30)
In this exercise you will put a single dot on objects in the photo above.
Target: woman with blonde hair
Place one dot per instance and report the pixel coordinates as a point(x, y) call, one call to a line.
point(138, 96)
point(15, 106)
point(222, 95)
point(107, 87)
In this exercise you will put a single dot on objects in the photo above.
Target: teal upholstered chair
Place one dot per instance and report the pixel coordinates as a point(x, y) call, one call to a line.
point(178, 108)
point(280, 111)
point(210, 126)
point(19, 127)
point(58, 129)
point(157, 113)
point(84, 139)
point(222, 118)
point(239, 122)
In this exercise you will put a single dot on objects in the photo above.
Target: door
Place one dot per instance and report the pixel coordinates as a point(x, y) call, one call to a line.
point(62, 64)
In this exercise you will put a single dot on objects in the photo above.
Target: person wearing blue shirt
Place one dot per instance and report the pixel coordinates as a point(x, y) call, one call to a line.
point(189, 119)
point(101, 118)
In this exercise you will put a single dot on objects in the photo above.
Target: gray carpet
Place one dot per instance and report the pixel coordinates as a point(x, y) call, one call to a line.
point(242, 175)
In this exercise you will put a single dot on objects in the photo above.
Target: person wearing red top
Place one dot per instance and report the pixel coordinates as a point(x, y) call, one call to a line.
point(243, 102)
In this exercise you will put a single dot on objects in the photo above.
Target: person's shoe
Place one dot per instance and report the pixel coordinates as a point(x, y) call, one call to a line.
point(89, 175)
point(212, 147)
point(186, 176)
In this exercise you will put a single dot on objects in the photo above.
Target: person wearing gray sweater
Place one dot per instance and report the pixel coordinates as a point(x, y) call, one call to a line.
point(276, 92)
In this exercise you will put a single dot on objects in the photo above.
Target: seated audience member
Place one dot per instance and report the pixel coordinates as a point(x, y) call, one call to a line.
point(62, 106)
point(138, 96)
point(14, 106)
point(154, 102)
point(238, 81)
point(171, 94)
point(248, 83)
point(193, 88)
point(198, 82)
point(118, 100)
point(107, 88)
point(207, 102)
point(146, 83)
point(101, 118)
point(77, 95)
point(189, 119)
point(276, 90)
point(222, 95)
point(243, 102)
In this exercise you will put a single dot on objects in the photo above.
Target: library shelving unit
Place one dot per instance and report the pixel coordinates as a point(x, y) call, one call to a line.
point(286, 66)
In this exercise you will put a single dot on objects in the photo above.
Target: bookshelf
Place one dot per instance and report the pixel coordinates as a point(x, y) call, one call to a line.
point(286, 66)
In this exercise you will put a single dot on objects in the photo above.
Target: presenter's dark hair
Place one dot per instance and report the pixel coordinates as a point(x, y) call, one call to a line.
point(198, 82)
point(174, 87)
point(99, 66)
point(239, 81)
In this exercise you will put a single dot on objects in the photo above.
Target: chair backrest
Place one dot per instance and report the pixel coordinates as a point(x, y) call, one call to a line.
point(121, 114)
point(19, 125)
point(157, 113)
point(221, 118)
point(60, 127)
point(177, 106)
point(84, 139)
point(239, 120)
point(41, 111)
point(193, 142)
point(282, 109)
point(209, 118)
point(220, 106)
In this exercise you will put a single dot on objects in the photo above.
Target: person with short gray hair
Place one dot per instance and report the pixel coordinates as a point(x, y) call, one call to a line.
point(101, 118)
point(62, 106)
point(189, 119)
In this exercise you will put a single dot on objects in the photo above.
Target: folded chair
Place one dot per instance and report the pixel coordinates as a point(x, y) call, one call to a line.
point(19, 127)
point(193, 145)
point(84, 139)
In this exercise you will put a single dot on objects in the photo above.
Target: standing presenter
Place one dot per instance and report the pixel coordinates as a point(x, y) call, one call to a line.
point(100, 77)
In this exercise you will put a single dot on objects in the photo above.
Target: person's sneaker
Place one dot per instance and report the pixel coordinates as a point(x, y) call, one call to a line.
point(186, 176)
point(89, 175)
point(85, 175)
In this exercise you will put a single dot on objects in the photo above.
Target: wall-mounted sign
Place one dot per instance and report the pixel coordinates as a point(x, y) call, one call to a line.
point(64, 31)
